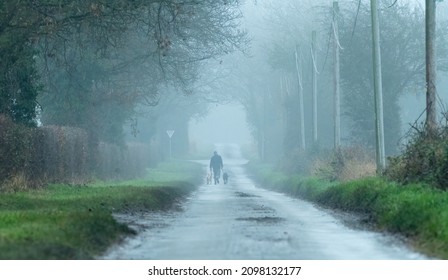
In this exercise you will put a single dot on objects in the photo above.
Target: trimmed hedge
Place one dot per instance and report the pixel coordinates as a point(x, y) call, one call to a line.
point(31, 157)
point(16, 146)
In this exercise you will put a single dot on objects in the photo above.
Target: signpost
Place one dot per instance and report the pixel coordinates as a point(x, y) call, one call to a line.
point(170, 134)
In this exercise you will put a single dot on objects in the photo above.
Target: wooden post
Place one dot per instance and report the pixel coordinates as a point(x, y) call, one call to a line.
point(300, 93)
point(431, 90)
point(314, 81)
point(379, 124)
point(336, 78)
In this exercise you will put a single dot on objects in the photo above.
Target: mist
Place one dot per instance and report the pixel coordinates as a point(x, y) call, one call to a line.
point(223, 124)
point(244, 73)
point(250, 96)
point(119, 106)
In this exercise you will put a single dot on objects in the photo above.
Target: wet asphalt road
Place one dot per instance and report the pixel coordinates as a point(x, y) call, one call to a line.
point(242, 221)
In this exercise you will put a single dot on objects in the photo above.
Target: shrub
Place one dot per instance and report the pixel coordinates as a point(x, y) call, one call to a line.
point(64, 154)
point(31, 157)
point(425, 159)
point(116, 162)
point(15, 152)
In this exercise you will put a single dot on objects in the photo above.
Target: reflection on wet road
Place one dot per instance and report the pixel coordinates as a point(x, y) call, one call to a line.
point(242, 221)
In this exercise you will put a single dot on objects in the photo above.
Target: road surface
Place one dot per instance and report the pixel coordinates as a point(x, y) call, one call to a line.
point(243, 221)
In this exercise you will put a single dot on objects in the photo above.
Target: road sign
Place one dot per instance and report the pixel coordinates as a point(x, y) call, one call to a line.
point(170, 133)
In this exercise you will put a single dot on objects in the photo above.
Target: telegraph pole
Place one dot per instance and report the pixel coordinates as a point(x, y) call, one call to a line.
point(314, 81)
point(379, 124)
point(301, 110)
point(170, 133)
point(431, 90)
point(336, 79)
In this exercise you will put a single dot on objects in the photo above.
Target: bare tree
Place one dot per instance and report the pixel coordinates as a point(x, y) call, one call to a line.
point(136, 48)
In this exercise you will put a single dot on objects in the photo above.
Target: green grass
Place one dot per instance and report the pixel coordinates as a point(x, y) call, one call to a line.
point(418, 212)
point(76, 222)
point(166, 172)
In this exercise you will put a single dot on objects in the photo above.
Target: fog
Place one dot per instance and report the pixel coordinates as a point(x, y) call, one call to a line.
point(247, 72)
point(108, 90)
point(262, 83)
point(223, 124)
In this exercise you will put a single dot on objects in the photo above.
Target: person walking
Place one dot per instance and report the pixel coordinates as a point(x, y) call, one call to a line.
point(216, 166)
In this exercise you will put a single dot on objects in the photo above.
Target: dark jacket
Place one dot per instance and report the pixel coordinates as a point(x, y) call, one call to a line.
point(216, 162)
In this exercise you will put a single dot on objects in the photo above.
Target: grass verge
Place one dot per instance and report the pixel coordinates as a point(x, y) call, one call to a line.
point(418, 212)
point(76, 222)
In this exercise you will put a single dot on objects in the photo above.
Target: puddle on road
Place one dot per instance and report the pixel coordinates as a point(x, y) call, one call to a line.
point(242, 194)
point(262, 208)
point(265, 219)
point(146, 221)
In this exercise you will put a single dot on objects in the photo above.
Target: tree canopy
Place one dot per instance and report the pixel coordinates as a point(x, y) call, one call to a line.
point(90, 63)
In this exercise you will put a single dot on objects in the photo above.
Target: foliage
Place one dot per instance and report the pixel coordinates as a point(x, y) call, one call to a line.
point(83, 97)
point(424, 158)
point(32, 157)
point(19, 84)
point(16, 152)
point(99, 59)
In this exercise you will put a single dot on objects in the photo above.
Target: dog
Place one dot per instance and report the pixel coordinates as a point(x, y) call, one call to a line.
point(209, 178)
point(225, 177)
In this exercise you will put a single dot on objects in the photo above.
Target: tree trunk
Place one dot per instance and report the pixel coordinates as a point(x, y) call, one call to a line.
point(431, 90)
point(314, 80)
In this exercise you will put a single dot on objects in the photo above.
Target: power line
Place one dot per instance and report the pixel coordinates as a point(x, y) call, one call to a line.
point(328, 49)
point(393, 4)
point(356, 20)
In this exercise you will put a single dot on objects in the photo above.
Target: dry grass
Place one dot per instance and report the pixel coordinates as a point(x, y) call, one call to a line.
point(347, 164)
point(17, 183)
point(356, 170)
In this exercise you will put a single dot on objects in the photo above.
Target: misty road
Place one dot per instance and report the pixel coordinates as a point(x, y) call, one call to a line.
point(242, 221)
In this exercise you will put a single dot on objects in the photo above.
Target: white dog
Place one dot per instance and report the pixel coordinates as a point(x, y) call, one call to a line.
point(209, 178)
point(225, 177)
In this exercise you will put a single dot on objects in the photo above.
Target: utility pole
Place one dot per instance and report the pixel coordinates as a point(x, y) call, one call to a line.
point(170, 133)
point(263, 136)
point(314, 81)
point(431, 90)
point(300, 92)
point(336, 78)
point(283, 109)
point(379, 124)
